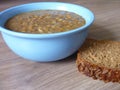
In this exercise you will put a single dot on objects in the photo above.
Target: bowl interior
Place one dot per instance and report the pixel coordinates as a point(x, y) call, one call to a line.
point(84, 12)
point(80, 10)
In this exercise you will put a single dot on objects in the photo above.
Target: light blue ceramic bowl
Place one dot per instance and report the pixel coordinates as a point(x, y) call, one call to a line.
point(45, 47)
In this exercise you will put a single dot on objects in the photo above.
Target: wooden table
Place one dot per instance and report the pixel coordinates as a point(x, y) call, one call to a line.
point(17, 73)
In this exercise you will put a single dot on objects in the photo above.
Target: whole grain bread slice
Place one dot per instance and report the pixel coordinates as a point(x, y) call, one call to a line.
point(100, 59)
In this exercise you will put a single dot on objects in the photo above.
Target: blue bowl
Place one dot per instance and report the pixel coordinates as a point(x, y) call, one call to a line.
point(45, 47)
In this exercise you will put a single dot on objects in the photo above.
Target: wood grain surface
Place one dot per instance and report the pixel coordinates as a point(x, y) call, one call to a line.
point(17, 73)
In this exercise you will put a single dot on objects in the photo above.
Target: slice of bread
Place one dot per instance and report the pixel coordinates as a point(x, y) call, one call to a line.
point(100, 59)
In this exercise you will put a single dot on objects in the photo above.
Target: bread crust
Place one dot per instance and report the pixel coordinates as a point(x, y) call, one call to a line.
point(96, 71)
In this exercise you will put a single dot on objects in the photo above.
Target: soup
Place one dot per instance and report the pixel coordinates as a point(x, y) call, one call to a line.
point(45, 21)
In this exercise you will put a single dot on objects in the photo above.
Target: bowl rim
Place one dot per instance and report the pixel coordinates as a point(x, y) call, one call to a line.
point(46, 35)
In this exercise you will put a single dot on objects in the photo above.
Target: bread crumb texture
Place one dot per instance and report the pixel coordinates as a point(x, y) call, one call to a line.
point(100, 59)
point(104, 53)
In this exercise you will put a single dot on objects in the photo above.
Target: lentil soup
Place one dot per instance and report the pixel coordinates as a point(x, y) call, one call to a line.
point(45, 21)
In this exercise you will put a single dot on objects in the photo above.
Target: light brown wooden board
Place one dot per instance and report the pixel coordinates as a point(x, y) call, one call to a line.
point(17, 73)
